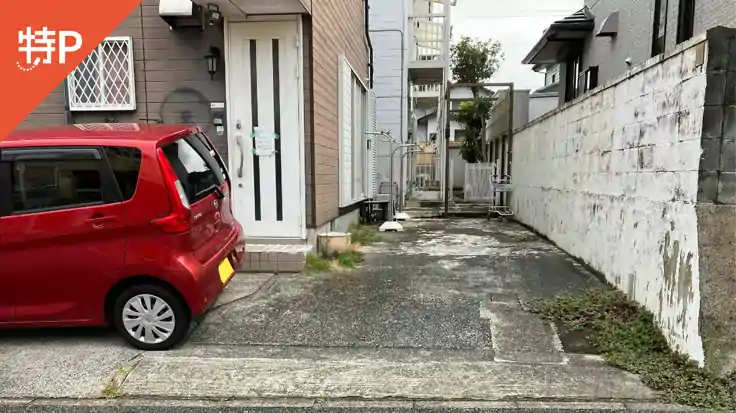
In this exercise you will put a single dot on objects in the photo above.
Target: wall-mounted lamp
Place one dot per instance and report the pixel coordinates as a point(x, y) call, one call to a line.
point(213, 60)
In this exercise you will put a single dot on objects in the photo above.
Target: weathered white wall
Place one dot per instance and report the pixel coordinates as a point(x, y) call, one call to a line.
point(613, 180)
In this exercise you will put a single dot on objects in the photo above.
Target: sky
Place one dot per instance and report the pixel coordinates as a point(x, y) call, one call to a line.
point(517, 25)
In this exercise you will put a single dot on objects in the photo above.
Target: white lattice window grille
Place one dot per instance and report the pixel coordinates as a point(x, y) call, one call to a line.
point(105, 80)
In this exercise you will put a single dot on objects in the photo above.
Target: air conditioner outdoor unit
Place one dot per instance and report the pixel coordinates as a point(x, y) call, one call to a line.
point(175, 8)
point(181, 13)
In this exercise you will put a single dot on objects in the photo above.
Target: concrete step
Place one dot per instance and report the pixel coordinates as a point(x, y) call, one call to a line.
point(275, 258)
point(175, 375)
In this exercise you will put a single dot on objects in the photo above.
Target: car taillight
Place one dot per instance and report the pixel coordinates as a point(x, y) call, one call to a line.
point(180, 218)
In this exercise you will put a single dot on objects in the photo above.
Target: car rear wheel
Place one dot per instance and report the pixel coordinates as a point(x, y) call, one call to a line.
point(150, 317)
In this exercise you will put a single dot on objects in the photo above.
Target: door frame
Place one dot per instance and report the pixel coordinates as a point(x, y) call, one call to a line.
point(296, 18)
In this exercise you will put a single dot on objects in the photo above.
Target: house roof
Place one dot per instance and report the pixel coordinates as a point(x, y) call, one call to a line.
point(540, 67)
point(572, 28)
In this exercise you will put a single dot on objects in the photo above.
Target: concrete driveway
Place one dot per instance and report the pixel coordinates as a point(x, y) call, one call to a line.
point(435, 313)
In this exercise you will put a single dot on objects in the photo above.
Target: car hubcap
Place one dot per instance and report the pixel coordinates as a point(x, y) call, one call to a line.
point(148, 318)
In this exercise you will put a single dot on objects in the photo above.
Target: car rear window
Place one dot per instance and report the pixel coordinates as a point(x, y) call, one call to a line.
point(206, 145)
point(195, 167)
point(126, 165)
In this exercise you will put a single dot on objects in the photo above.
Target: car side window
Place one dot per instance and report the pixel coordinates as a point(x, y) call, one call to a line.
point(6, 206)
point(44, 180)
point(126, 165)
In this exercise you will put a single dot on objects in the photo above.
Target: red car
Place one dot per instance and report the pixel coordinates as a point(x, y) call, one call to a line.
point(122, 224)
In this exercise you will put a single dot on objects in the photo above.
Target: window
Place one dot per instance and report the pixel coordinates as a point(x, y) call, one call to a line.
point(591, 78)
point(197, 170)
point(126, 164)
point(353, 124)
point(573, 81)
point(685, 20)
point(460, 134)
point(105, 79)
point(579, 81)
point(359, 128)
point(40, 184)
point(659, 27)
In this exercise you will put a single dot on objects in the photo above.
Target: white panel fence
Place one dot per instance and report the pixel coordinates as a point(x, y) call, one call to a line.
point(478, 178)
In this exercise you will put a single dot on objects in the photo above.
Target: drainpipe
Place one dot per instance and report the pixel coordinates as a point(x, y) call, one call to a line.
point(370, 44)
point(68, 117)
point(401, 135)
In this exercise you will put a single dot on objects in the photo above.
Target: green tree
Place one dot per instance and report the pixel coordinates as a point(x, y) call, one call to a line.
point(475, 61)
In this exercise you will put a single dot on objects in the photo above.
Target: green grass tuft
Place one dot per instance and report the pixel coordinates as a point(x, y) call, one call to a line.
point(349, 259)
point(362, 234)
point(317, 263)
point(626, 335)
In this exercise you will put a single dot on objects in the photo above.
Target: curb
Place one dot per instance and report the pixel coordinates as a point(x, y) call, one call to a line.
point(344, 405)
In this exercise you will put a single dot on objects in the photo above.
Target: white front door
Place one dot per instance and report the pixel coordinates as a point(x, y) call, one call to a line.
point(265, 137)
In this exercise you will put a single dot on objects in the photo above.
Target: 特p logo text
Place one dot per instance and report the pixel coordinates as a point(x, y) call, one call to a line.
point(41, 46)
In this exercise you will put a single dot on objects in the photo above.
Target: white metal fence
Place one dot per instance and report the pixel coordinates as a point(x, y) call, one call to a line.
point(478, 181)
point(427, 90)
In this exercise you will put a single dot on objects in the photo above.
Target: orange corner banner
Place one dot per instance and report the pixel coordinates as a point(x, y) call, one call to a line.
point(42, 41)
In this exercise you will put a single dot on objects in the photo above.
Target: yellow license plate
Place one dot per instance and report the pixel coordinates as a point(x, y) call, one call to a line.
point(226, 270)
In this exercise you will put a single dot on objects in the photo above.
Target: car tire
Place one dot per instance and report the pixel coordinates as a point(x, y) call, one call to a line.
point(150, 317)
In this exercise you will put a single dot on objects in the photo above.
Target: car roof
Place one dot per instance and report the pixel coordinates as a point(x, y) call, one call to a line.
point(95, 134)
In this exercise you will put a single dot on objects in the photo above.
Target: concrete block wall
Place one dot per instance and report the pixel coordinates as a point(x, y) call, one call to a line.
point(716, 206)
point(613, 178)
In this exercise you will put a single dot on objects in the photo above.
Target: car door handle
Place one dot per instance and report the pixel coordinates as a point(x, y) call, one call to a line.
point(98, 221)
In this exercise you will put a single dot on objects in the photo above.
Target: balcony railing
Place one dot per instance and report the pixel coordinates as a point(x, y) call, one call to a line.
point(429, 37)
point(431, 6)
point(427, 90)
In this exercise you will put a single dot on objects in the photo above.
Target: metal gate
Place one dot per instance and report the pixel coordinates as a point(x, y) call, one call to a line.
point(427, 171)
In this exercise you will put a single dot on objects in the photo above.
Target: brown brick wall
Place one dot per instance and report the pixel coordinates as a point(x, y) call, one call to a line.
point(338, 28)
point(308, 121)
point(172, 83)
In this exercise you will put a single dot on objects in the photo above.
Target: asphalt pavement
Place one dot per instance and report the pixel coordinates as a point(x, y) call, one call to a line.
point(433, 321)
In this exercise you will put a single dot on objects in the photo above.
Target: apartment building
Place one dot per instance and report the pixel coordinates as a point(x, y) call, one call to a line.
point(411, 49)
